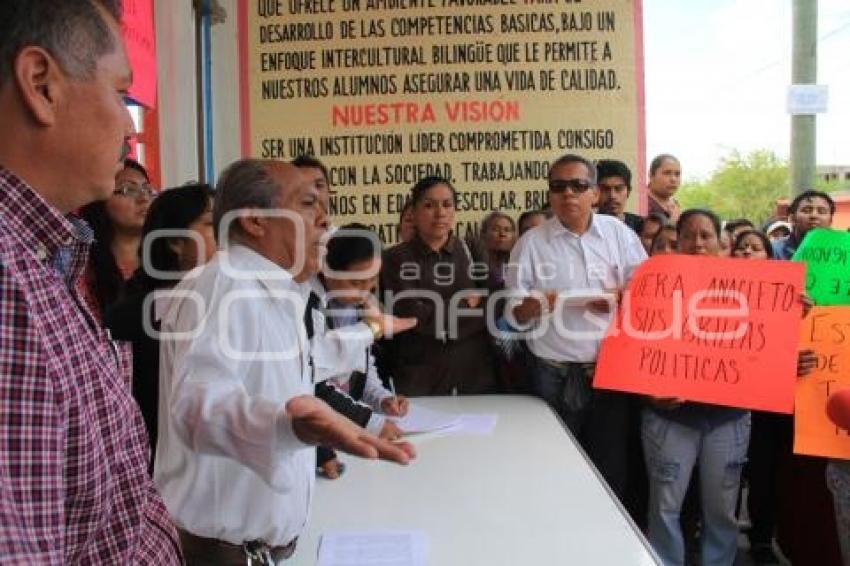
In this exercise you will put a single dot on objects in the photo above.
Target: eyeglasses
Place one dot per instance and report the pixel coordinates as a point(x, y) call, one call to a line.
point(577, 186)
point(135, 191)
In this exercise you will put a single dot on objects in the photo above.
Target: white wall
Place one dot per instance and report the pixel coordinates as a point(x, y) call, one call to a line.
point(225, 87)
point(177, 90)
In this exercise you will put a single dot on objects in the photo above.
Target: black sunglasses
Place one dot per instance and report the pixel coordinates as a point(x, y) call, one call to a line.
point(577, 186)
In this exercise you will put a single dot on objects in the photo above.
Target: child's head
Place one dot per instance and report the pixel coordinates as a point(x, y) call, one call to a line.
point(752, 244)
point(666, 241)
point(352, 264)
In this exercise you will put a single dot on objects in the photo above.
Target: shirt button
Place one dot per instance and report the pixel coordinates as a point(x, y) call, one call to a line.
point(41, 252)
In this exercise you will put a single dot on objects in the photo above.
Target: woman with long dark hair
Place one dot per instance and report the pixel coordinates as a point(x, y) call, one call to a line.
point(187, 209)
point(117, 224)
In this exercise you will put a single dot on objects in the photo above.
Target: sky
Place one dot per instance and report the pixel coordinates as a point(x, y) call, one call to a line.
point(717, 74)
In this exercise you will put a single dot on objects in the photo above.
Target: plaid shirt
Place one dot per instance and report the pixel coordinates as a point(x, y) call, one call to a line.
point(73, 452)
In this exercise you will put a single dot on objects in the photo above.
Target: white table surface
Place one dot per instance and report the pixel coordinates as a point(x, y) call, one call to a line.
point(525, 496)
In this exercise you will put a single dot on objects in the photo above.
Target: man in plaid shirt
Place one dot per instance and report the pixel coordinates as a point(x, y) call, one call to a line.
point(73, 452)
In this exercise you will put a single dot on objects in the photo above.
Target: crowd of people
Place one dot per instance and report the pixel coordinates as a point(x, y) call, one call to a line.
point(178, 366)
point(670, 462)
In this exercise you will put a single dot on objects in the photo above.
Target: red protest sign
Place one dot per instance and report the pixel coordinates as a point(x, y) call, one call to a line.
point(715, 330)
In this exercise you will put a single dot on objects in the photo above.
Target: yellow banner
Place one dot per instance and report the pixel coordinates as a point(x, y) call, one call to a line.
point(483, 92)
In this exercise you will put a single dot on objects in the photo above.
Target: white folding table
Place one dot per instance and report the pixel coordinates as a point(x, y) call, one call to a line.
point(525, 496)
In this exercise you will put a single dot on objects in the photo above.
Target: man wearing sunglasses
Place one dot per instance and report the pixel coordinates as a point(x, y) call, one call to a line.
point(567, 274)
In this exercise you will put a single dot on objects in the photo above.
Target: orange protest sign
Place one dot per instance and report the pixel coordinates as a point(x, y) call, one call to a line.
point(715, 330)
point(826, 331)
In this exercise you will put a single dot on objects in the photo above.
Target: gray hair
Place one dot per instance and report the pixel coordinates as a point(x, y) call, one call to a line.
point(493, 216)
point(73, 31)
point(573, 158)
point(244, 184)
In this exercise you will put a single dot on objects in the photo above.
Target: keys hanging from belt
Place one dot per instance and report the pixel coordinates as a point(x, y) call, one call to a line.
point(257, 553)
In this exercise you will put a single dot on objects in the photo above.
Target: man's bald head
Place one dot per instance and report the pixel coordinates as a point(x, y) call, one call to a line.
point(244, 184)
point(272, 208)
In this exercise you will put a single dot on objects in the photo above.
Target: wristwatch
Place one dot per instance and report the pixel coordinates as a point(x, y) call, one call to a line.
point(377, 330)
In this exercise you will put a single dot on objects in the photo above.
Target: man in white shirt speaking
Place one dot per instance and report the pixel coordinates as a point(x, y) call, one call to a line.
point(575, 254)
point(237, 420)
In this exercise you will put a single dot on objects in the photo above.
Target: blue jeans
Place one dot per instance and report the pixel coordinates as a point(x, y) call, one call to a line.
point(838, 480)
point(671, 450)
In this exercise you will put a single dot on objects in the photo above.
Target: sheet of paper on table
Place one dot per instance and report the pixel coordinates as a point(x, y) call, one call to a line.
point(373, 548)
point(475, 425)
point(419, 419)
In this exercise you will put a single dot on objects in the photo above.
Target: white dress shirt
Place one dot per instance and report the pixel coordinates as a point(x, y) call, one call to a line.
point(550, 257)
point(228, 463)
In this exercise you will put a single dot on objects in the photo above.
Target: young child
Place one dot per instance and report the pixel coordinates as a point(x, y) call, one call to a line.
point(350, 273)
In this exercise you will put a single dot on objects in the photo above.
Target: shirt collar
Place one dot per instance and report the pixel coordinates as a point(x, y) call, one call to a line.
point(245, 263)
point(424, 249)
point(29, 215)
point(555, 228)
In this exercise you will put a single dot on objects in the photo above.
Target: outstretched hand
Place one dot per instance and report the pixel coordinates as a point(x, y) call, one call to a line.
point(314, 422)
point(606, 306)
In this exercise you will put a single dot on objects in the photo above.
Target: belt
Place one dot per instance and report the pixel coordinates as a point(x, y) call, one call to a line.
point(564, 365)
point(202, 550)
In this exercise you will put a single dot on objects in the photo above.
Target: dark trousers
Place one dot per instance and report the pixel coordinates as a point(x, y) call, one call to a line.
point(636, 499)
point(463, 366)
point(769, 455)
point(806, 530)
point(598, 419)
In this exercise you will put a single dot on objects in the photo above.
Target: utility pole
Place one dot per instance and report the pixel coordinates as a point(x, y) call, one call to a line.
point(804, 70)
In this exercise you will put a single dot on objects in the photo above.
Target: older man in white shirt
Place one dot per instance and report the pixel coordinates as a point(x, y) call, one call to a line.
point(575, 254)
point(234, 460)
